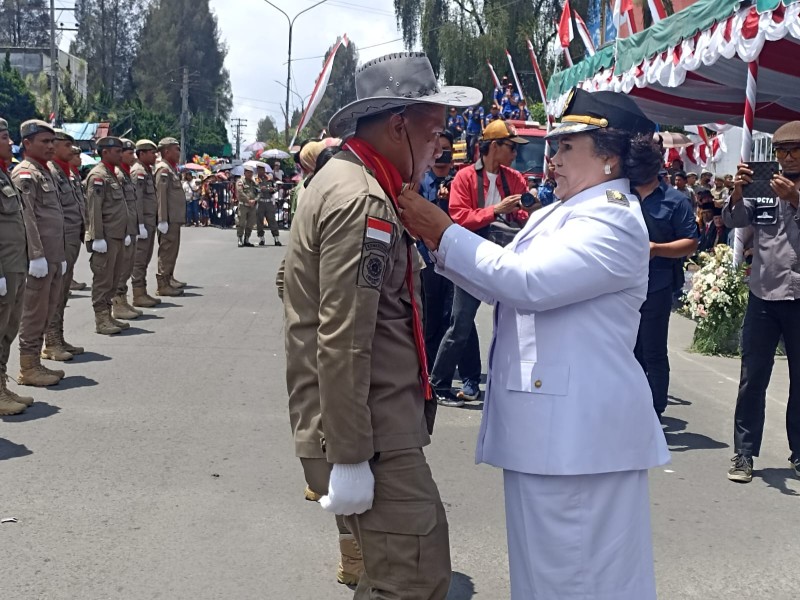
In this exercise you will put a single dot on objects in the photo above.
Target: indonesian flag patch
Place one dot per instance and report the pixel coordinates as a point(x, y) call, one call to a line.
point(380, 230)
point(374, 253)
point(25, 175)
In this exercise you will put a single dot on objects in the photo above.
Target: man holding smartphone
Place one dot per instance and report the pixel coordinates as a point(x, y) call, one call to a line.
point(773, 310)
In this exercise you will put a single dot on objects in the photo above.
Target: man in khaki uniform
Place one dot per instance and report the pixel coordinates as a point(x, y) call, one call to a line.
point(171, 215)
point(121, 309)
point(75, 164)
point(246, 195)
point(267, 207)
point(106, 233)
point(44, 225)
point(13, 266)
point(147, 207)
point(74, 210)
point(356, 371)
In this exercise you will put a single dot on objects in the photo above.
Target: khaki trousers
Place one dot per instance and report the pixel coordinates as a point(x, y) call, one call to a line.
point(247, 219)
point(106, 268)
point(268, 211)
point(404, 538)
point(72, 247)
point(128, 257)
point(42, 296)
point(142, 258)
point(10, 315)
point(168, 245)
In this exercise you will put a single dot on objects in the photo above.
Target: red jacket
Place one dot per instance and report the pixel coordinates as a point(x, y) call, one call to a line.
point(464, 197)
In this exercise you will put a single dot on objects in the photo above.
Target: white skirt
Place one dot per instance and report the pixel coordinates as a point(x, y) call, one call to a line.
point(579, 537)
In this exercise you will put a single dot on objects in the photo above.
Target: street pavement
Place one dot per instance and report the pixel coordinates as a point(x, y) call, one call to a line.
point(162, 467)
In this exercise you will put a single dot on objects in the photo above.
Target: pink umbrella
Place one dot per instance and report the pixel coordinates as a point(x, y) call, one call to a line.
point(194, 167)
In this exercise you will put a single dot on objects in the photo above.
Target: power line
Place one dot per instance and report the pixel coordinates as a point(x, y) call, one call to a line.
point(238, 125)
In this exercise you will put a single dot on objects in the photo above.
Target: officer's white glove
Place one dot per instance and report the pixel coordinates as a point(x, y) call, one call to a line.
point(127, 240)
point(99, 246)
point(38, 268)
point(3, 286)
point(350, 491)
point(163, 227)
point(142, 232)
point(63, 267)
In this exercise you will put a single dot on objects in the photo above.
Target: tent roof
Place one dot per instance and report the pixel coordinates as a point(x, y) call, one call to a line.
point(86, 132)
point(691, 67)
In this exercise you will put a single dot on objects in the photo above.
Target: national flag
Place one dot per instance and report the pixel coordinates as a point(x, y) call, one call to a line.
point(320, 87)
point(539, 78)
point(378, 229)
point(514, 73)
point(583, 31)
point(565, 31)
point(623, 14)
point(657, 10)
point(494, 75)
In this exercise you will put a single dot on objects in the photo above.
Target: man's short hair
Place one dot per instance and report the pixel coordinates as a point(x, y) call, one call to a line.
point(448, 136)
point(680, 174)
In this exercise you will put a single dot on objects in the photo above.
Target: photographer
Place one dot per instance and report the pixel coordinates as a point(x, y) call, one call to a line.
point(773, 309)
point(479, 195)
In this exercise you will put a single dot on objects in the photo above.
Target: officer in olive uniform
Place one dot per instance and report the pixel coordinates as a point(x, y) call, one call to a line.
point(121, 309)
point(44, 224)
point(75, 164)
point(106, 233)
point(267, 207)
point(247, 192)
point(13, 266)
point(171, 215)
point(74, 209)
point(147, 207)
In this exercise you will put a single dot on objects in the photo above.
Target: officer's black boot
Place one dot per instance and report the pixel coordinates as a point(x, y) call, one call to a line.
point(277, 241)
point(261, 241)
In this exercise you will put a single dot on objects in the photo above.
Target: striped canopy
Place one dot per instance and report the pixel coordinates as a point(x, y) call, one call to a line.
point(691, 68)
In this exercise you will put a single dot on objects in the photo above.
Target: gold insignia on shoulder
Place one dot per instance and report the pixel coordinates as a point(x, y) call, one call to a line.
point(615, 197)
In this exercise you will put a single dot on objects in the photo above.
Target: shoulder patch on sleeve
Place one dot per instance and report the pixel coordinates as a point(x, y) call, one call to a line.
point(615, 197)
point(374, 252)
point(98, 181)
point(140, 176)
point(164, 175)
point(25, 175)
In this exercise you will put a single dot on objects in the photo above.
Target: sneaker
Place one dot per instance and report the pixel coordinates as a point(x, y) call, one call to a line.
point(446, 398)
point(795, 463)
point(742, 469)
point(470, 391)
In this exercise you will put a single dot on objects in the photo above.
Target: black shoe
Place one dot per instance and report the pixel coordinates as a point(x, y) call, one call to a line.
point(278, 242)
point(446, 398)
point(261, 242)
point(742, 469)
point(795, 463)
point(247, 244)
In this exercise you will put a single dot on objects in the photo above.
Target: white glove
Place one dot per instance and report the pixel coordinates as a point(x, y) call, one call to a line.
point(142, 232)
point(99, 246)
point(3, 286)
point(63, 267)
point(163, 227)
point(350, 491)
point(127, 240)
point(38, 268)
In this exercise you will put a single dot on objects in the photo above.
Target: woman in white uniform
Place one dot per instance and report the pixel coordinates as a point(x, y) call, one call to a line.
point(568, 413)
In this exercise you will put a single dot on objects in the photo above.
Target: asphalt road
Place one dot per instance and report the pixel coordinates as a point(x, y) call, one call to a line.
point(162, 466)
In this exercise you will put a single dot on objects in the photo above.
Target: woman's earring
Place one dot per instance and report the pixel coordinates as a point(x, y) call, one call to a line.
point(607, 170)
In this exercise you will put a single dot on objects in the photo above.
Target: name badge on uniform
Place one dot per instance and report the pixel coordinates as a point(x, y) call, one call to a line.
point(374, 252)
point(766, 211)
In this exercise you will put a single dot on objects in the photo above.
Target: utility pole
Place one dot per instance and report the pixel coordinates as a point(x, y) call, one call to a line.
point(184, 113)
point(238, 125)
point(53, 62)
point(602, 23)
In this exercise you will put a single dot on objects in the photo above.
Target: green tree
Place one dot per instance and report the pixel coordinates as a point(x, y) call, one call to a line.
point(178, 34)
point(17, 101)
point(107, 34)
point(25, 23)
point(266, 129)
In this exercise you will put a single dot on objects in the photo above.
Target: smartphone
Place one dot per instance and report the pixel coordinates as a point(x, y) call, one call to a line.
point(760, 193)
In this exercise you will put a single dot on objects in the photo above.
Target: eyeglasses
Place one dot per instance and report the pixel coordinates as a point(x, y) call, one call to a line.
point(782, 153)
point(511, 145)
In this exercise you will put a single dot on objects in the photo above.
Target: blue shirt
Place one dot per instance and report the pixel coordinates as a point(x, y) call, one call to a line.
point(490, 117)
point(672, 218)
point(456, 122)
point(474, 117)
point(429, 189)
point(547, 194)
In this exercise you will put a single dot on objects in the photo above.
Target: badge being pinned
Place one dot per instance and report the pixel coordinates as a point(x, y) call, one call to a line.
point(615, 197)
point(374, 253)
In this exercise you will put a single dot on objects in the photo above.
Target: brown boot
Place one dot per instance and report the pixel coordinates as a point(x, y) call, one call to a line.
point(74, 350)
point(129, 307)
point(117, 323)
point(141, 298)
point(174, 283)
point(169, 291)
point(121, 310)
point(53, 350)
point(57, 372)
point(26, 400)
point(77, 286)
point(32, 373)
point(7, 406)
point(351, 565)
point(103, 324)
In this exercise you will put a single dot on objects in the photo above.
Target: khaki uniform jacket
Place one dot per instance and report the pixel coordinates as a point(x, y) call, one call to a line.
point(105, 205)
point(146, 203)
point(71, 204)
point(352, 366)
point(44, 219)
point(129, 190)
point(13, 244)
point(80, 194)
point(247, 191)
point(265, 189)
point(169, 193)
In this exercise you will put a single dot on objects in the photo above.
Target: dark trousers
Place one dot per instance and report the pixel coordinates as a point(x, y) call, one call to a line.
point(764, 323)
point(472, 138)
point(651, 344)
point(459, 346)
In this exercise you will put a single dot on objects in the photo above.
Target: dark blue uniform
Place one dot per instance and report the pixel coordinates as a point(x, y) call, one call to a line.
point(669, 217)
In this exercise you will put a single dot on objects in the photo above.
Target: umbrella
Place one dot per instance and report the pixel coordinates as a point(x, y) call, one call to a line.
point(237, 171)
point(673, 140)
point(255, 147)
point(257, 163)
point(275, 153)
point(87, 160)
point(222, 167)
point(194, 167)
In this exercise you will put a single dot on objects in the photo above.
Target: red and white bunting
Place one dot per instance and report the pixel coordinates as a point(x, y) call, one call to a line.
point(657, 10)
point(494, 75)
point(514, 73)
point(583, 31)
point(565, 31)
point(623, 15)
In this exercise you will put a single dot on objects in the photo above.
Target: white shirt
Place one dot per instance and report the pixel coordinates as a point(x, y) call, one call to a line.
point(494, 192)
point(188, 192)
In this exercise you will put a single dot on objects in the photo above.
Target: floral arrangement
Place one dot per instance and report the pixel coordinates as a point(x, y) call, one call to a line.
point(717, 300)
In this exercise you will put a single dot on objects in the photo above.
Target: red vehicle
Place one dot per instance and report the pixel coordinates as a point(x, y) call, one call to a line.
point(530, 156)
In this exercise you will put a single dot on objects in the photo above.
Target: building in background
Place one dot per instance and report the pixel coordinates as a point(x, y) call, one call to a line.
point(33, 61)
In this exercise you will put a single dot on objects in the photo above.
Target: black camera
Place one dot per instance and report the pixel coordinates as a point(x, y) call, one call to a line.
point(527, 200)
point(448, 181)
